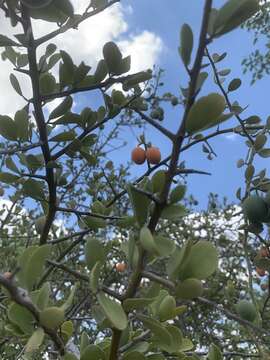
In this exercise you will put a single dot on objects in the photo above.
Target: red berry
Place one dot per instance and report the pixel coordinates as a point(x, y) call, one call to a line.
point(138, 155)
point(121, 267)
point(153, 155)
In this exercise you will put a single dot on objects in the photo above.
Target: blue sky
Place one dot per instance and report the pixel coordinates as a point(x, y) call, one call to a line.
point(165, 18)
point(156, 24)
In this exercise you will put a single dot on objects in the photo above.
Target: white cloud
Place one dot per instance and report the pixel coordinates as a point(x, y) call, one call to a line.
point(84, 44)
point(143, 48)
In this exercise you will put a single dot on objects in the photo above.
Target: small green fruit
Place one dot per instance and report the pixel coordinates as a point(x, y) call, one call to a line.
point(52, 317)
point(246, 310)
point(255, 209)
point(189, 289)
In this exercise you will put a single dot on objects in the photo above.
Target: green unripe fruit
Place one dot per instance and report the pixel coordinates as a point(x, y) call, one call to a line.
point(167, 308)
point(246, 310)
point(255, 209)
point(189, 289)
point(52, 317)
point(39, 224)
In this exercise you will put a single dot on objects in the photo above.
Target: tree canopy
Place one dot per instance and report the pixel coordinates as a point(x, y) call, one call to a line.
point(98, 263)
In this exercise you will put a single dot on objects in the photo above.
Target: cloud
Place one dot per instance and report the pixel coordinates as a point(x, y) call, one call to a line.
point(231, 137)
point(143, 48)
point(85, 44)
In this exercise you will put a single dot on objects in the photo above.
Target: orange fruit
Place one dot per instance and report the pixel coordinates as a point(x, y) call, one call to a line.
point(7, 274)
point(153, 155)
point(260, 272)
point(264, 252)
point(138, 155)
point(121, 267)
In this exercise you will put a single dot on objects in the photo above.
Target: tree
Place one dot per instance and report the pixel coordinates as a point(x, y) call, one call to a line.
point(258, 62)
point(185, 279)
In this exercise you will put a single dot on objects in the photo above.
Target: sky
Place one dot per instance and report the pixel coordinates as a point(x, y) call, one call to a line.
point(149, 32)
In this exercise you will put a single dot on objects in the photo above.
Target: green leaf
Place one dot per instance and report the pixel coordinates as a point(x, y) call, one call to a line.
point(174, 212)
point(68, 303)
point(91, 221)
point(158, 181)
point(92, 352)
point(34, 266)
point(214, 353)
point(8, 128)
point(94, 277)
point(36, 3)
point(15, 84)
point(81, 72)
point(113, 311)
point(202, 261)
point(186, 43)
point(34, 161)
point(264, 153)
point(35, 341)
point(186, 345)
point(165, 246)
point(43, 297)
point(10, 164)
point(5, 41)
point(177, 339)
point(178, 193)
point(84, 341)
point(67, 330)
point(101, 71)
point(52, 317)
point(233, 13)
point(133, 355)
point(69, 356)
point(21, 317)
point(47, 83)
point(112, 56)
point(178, 259)
point(167, 308)
point(136, 303)
point(94, 252)
point(62, 108)
point(140, 204)
point(234, 84)
point(160, 332)
point(33, 189)
point(64, 136)
point(134, 80)
point(204, 112)
point(260, 141)
point(22, 124)
point(147, 240)
point(8, 178)
point(68, 68)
